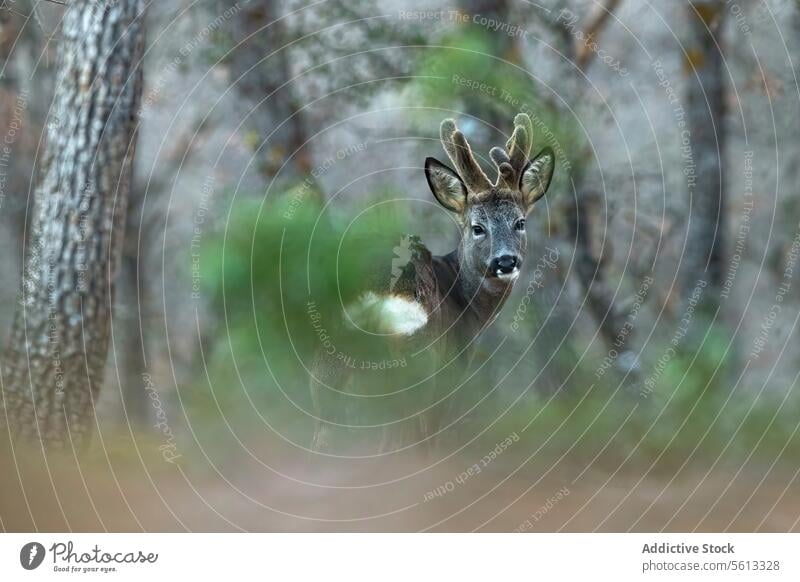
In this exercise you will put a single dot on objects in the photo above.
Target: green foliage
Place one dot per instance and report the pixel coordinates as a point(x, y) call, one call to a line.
point(464, 69)
point(281, 272)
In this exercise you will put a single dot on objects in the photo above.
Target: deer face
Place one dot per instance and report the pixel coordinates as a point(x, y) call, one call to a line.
point(493, 238)
point(492, 216)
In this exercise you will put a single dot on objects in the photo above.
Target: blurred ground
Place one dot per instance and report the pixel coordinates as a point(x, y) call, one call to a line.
point(116, 489)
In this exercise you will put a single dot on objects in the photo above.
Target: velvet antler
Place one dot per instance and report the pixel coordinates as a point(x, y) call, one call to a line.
point(510, 164)
point(459, 152)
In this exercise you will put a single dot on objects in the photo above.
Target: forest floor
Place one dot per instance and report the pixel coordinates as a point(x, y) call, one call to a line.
point(120, 487)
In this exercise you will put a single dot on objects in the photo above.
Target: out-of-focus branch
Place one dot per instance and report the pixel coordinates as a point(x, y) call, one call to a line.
point(592, 31)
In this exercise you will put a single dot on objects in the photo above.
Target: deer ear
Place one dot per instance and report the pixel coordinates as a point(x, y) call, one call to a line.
point(445, 184)
point(535, 178)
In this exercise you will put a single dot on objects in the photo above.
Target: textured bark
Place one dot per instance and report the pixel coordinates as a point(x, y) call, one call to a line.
point(705, 95)
point(54, 364)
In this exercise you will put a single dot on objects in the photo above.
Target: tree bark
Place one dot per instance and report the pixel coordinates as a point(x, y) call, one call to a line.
point(130, 328)
point(502, 46)
point(590, 267)
point(54, 363)
point(24, 99)
point(703, 163)
point(258, 33)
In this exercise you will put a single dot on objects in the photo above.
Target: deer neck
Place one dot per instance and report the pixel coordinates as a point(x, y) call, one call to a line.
point(479, 299)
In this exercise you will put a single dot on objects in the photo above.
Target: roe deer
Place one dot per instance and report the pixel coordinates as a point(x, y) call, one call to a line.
point(439, 304)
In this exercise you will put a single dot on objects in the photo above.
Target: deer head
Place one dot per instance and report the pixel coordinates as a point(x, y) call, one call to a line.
point(491, 216)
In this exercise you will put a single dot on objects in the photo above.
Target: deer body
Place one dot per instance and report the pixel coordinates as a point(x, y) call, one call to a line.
point(435, 306)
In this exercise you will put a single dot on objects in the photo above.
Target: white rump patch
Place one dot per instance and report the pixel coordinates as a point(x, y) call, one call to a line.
point(389, 314)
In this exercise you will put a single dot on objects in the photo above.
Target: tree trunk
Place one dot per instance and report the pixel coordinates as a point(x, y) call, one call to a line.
point(502, 46)
point(54, 364)
point(24, 99)
point(590, 267)
point(262, 60)
point(702, 164)
point(130, 328)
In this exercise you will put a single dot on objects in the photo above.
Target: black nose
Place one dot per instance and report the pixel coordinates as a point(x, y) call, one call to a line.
point(504, 264)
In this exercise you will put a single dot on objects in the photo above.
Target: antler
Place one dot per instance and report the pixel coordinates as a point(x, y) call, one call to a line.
point(511, 164)
point(459, 152)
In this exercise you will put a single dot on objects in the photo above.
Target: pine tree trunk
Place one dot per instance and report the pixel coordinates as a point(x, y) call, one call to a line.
point(261, 67)
point(703, 169)
point(53, 366)
point(590, 268)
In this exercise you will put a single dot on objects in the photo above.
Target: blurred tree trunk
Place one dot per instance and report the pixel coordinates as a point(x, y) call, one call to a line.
point(502, 46)
point(53, 367)
point(131, 337)
point(24, 99)
point(262, 60)
point(705, 107)
point(13, 165)
point(584, 209)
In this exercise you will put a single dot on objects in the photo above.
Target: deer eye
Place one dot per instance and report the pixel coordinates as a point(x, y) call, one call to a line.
point(520, 224)
point(478, 230)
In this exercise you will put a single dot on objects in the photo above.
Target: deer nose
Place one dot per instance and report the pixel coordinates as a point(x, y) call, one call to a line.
point(504, 264)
